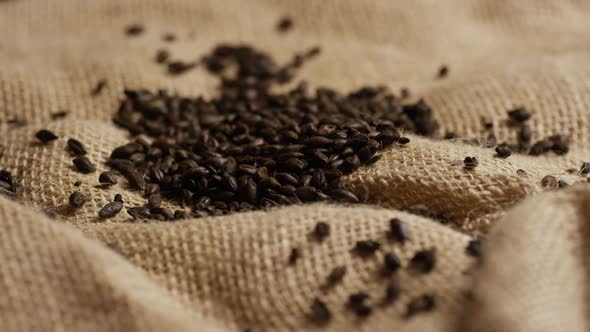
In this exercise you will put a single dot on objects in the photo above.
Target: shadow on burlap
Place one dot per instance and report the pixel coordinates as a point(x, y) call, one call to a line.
point(231, 272)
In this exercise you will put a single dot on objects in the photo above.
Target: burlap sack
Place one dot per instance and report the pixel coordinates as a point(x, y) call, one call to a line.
point(228, 273)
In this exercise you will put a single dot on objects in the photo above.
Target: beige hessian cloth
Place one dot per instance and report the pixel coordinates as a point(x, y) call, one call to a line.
point(228, 273)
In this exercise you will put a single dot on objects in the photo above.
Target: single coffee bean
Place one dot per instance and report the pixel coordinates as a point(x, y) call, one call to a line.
point(391, 263)
point(107, 178)
point(285, 24)
point(366, 248)
point(294, 256)
point(473, 248)
point(110, 210)
point(420, 304)
point(76, 147)
point(424, 261)
point(503, 151)
point(470, 163)
point(398, 230)
point(77, 199)
point(443, 71)
point(134, 29)
point(392, 292)
point(321, 230)
point(84, 165)
point(45, 136)
point(335, 276)
point(549, 182)
point(519, 114)
point(320, 314)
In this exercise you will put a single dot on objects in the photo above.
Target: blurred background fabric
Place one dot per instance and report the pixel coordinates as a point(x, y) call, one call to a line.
point(229, 273)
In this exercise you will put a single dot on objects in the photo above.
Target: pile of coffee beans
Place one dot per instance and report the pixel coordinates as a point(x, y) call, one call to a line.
point(251, 147)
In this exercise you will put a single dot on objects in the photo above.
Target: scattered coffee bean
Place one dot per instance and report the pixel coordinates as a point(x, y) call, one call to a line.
point(110, 210)
point(366, 248)
point(59, 115)
point(154, 201)
point(391, 263)
point(519, 114)
point(321, 231)
point(162, 56)
point(45, 136)
point(549, 182)
point(474, 248)
point(179, 67)
point(8, 185)
point(78, 183)
point(392, 292)
point(470, 163)
point(294, 256)
point(403, 140)
point(136, 180)
point(503, 151)
point(320, 314)
point(398, 230)
point(424, 261)
point(443, 71)
point(423, 303)
point(356, 302)
point(169, 37)
point(77, 199)
point(134, 29)
point(285, 24)
point(107, 178)
point(522, 173)
point(99, 87)
point(335, 276)
point(118, 198)
point(139, 212)
point(76, 147)
point(84, 165)
point(51, 212)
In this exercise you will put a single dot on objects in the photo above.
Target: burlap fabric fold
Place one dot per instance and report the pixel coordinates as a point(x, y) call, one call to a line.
point(228, 273)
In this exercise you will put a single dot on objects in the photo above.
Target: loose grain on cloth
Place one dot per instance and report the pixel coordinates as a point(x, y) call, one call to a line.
point(228, 273)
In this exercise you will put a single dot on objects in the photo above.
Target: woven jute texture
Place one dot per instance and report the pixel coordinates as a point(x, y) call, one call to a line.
point(227, 273)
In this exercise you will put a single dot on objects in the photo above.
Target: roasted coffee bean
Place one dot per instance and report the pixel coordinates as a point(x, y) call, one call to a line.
point(306, 193)
point(391, 263)
point(84, 165)
point(166, 213)
point(443, 71)
point(179, 215)
point(356, 302)
point(45, 136)
point(100, 85)
point(503, 151)
point(136, 180)
point(470, 163)
point(549, 182)
point(403, 140)
point(423, 303)
point(285, 24)
point(519, 114)
point(473, 248)
point(139, 212)
point(366, 248)
point(321, 230)
point(162, 56)
point(77, 199)
point(320, 314)
point(335, 276)
point(398, 230)
point(249, 148)
point(151, 188)
point(424, 261)
point(294, 256)
point(179, 67)
point(521, 172)
point(110, 210)
point(169, 37)
point(76, 147)
point(155, 200)
point(59, 115)
point(345, 196)
point(118, 198)
point(134, 29)
point(78, 183)
point(392, 292)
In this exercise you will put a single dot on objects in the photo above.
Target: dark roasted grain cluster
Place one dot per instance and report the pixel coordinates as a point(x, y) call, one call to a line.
point(254, 148)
